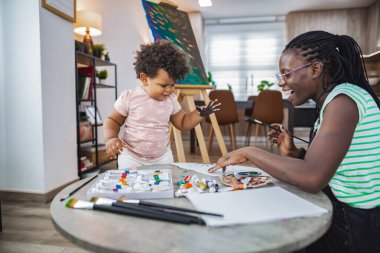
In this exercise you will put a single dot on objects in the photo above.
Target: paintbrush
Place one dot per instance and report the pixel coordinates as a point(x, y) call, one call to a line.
point(79, 187)
point(80, 204)
point(112, 202)
point(175, 208)
point(276, 129)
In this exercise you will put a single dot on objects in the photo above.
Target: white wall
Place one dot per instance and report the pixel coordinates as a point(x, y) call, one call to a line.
point(39, 99)
point(58, 99)
point(3, 172)
point(22, 113)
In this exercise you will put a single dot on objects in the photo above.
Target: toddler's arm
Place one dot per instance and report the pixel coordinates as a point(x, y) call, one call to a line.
point(185, 121)
point(112, 124)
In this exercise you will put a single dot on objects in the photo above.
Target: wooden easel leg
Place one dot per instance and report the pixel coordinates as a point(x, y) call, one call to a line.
point(179, 145)
point(215, 125)
point(177, 137)
point(198, 132)
point(210, 139)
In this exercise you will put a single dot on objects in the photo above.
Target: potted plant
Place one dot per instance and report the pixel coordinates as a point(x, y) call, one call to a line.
point(102, 75)
point(107, 56)
point(98, 50)
point(264, 85)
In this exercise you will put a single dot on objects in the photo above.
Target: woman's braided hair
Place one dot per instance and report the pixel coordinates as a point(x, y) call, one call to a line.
point(340, 54)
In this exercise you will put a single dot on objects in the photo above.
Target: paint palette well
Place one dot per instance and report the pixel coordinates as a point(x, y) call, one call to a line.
point(133, 184)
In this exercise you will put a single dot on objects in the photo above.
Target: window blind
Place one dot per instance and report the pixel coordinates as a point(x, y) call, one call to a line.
point(242, 55)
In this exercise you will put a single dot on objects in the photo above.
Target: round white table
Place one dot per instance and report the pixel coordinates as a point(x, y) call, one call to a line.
point(108, 232)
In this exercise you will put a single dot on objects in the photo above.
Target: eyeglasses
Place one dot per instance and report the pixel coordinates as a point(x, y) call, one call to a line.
point(281, 77)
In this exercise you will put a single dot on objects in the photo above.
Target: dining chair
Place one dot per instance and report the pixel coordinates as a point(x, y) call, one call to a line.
point(226, 116)
point(268, 108)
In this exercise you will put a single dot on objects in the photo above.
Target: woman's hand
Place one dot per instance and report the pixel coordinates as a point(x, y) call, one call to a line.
point(114, 147)
point(234, 157)
point(284, 140)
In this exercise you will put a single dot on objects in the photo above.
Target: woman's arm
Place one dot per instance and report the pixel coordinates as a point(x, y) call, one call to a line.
point(323, 157)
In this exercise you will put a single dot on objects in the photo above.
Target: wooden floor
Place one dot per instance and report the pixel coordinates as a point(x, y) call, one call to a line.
point(28, 228)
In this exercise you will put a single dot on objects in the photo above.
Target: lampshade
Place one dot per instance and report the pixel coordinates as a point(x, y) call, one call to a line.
point(88, 19)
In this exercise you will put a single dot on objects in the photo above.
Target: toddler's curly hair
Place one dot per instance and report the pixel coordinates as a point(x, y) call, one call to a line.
point(162, 54)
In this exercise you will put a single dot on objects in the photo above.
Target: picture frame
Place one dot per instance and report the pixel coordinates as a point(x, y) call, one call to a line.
point(90, 112)
point(63, 8)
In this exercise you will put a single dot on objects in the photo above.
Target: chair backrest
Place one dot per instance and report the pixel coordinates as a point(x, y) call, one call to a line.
point(269, 107)
point(228, 113)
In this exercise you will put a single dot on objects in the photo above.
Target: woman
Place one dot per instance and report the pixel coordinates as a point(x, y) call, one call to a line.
point(343, 158)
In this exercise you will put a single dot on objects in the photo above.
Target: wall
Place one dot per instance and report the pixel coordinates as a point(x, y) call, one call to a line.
point(22, 113)
point(38, 99)
point(58, 100)
point(3, 172)
point(344, 21)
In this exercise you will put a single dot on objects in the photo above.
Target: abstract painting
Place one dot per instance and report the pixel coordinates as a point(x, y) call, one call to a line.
point(167, 22)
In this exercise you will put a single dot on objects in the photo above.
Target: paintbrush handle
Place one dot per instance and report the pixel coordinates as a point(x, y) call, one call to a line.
point(190, 218)
point(279, 130)
point(152, 204)
point(78, 188)
point(139, 213)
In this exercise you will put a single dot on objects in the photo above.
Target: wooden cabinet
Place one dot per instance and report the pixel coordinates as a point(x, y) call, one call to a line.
point(372, 64)
point(352, 22)
point(91, 152)
point(363, 24)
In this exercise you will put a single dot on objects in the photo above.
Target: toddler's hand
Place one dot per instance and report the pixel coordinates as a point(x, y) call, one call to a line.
point(209, 109)
point(114, 147)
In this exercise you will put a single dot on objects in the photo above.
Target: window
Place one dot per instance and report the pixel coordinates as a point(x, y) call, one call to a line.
point(242, 55)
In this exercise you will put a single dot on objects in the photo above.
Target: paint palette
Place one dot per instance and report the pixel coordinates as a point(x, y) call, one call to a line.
point(249, 181)
point(133, 184)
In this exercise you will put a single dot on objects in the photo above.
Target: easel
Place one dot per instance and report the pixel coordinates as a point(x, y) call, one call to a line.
point(187, 93)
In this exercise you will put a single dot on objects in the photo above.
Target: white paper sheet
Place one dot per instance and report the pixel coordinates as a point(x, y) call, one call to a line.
point(253, 206)
point(204, 167)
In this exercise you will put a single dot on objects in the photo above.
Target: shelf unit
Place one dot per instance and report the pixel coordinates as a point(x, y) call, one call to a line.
point(89, 62)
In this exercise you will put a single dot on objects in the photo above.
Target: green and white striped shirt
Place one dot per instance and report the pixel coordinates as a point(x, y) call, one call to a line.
point(357, 180)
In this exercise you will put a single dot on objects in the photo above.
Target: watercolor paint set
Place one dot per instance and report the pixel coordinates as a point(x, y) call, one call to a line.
point(133, 184)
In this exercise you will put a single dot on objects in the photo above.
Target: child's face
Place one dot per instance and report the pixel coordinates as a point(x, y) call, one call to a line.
point(159, 87)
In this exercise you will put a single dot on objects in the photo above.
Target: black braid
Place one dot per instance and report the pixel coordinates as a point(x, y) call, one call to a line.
point(340, 54)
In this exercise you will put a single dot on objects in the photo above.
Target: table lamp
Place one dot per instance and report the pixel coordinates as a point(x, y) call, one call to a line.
point(88, 24)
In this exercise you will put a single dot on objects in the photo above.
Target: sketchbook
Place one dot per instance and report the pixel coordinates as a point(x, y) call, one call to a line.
point(253, 206)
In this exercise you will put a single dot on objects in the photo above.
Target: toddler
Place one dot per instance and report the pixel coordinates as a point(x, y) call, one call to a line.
point(145, 111)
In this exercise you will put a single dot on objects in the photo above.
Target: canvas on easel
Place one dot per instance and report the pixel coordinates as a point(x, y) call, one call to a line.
point(169, 23)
